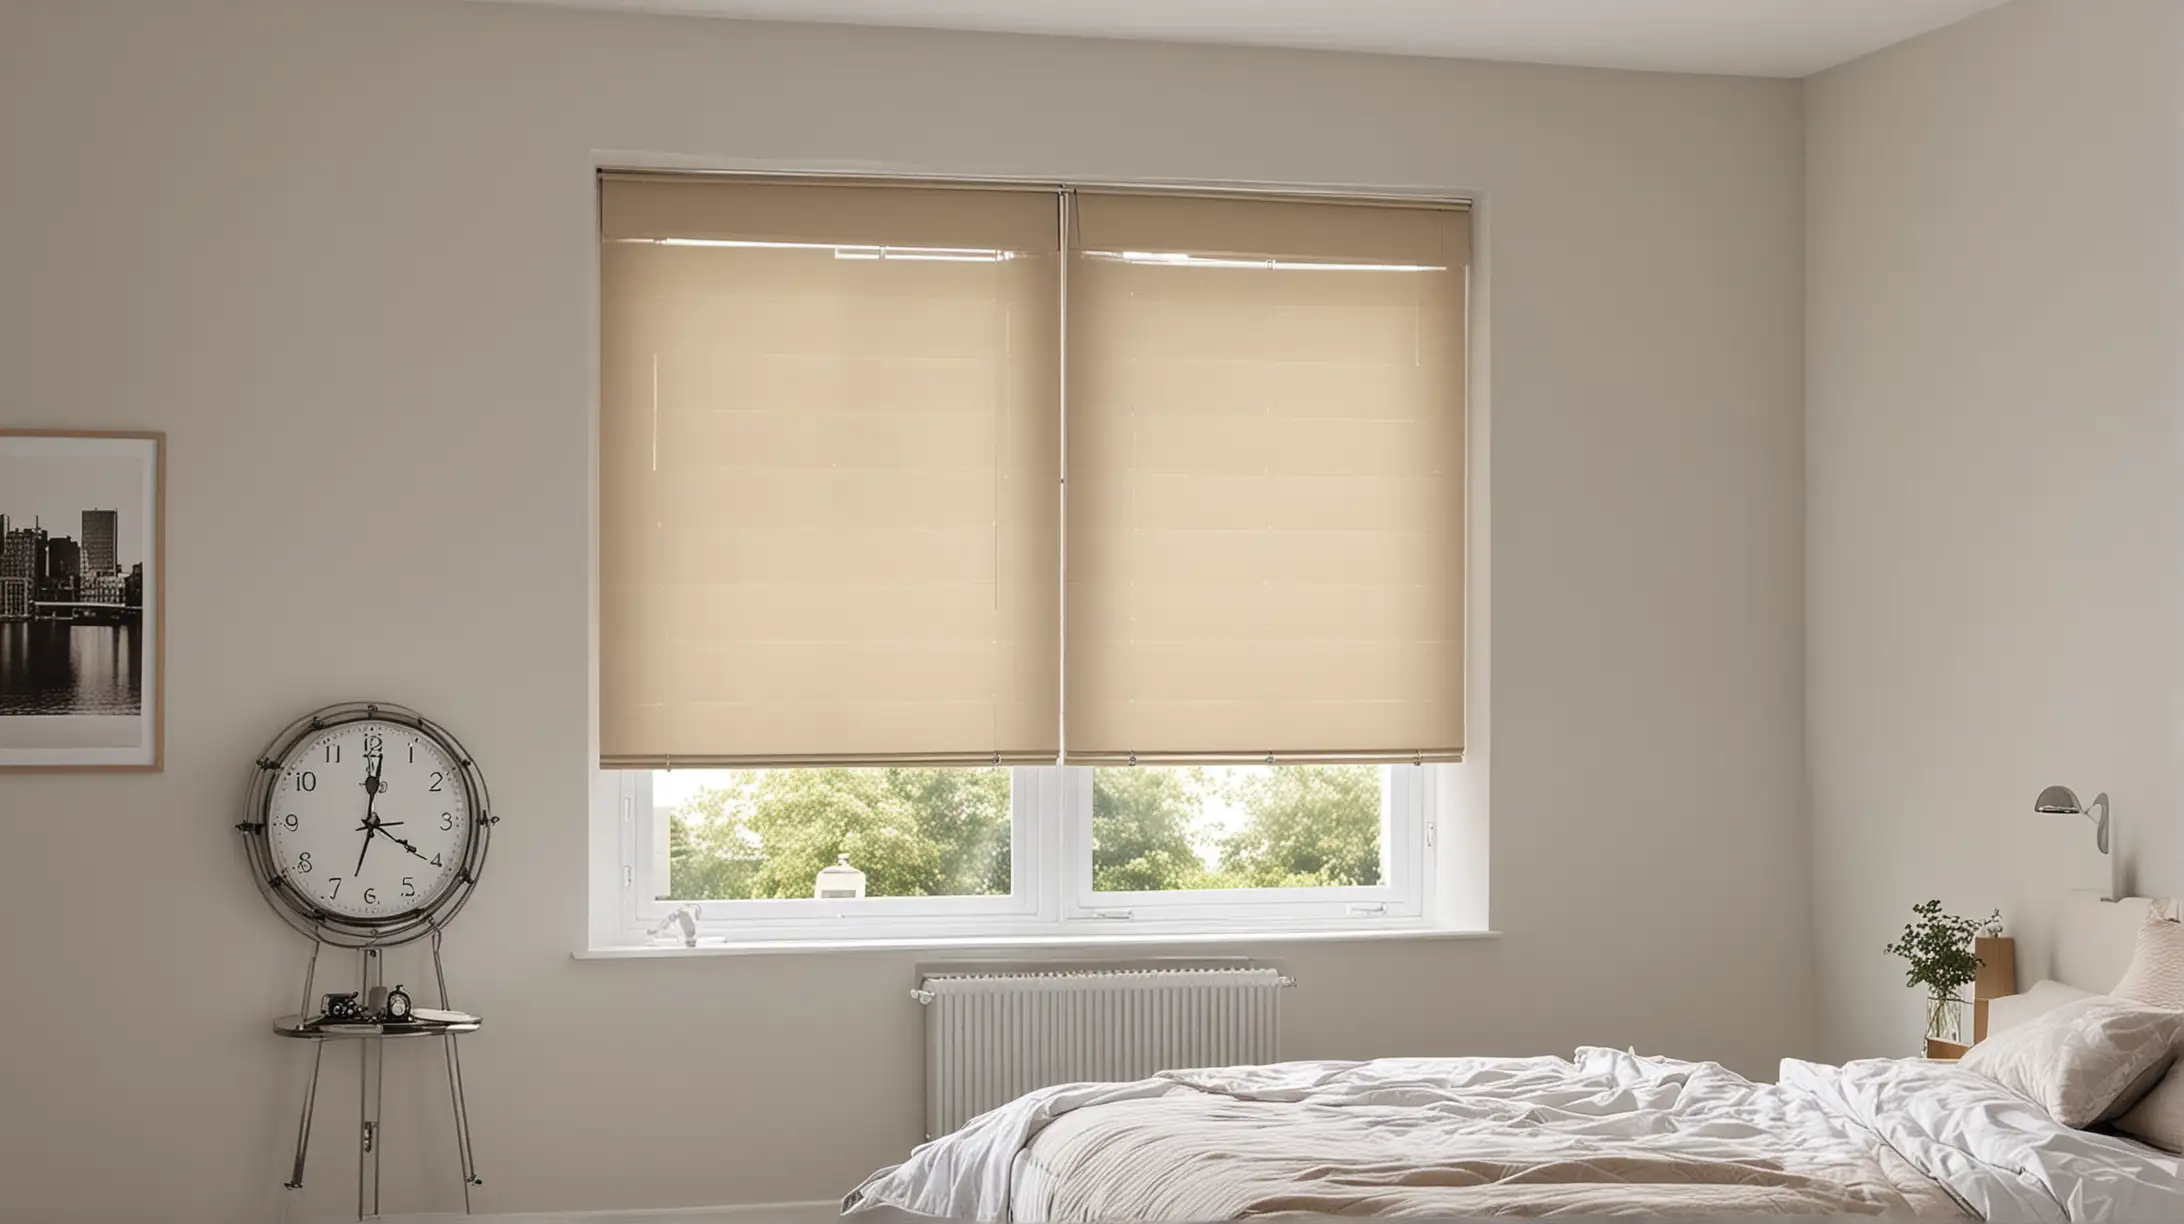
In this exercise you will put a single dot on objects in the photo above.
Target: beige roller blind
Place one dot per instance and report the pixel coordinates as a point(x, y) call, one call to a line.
point(1266, 480)
point(829, 440)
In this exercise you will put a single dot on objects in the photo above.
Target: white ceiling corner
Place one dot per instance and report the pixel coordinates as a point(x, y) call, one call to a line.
point(1778, 38)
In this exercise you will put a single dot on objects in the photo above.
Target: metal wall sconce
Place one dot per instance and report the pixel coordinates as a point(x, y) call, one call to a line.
point(2063, 801)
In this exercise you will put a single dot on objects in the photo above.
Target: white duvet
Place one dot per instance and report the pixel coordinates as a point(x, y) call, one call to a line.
point(1607, 1133)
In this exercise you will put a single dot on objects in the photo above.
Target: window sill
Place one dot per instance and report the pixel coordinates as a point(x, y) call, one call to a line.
point(1012, 943)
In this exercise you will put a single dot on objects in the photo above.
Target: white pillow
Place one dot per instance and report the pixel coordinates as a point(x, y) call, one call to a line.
point(2158, 1118)
point(2009, 1011)
point(2085, 1061)
point(2156, 975)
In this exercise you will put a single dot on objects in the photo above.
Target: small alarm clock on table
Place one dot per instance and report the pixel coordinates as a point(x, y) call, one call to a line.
point(398, 1007)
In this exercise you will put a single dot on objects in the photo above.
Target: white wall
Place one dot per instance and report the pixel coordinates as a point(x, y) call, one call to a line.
point(1995, 548)
point(342, 253)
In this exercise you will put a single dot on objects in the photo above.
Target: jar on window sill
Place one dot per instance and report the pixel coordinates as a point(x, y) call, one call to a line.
point(841, 882)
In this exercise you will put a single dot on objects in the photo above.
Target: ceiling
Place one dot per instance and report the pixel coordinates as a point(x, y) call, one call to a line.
point(1783, 38)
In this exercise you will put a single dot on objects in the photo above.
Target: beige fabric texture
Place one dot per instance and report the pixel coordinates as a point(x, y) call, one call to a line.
point(2156, 975)
point(1266, 480)
point(830, 517)
point(2158, 1118)
point(828, 452)
point(2082, 1061)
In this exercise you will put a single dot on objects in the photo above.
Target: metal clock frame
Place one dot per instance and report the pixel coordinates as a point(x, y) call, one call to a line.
point(298, 910)
point(369, 936)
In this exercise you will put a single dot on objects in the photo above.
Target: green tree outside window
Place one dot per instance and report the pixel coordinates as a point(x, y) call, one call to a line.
point(946, 832)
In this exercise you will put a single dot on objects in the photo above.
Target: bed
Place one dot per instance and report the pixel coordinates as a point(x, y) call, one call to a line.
point(1604, 1132)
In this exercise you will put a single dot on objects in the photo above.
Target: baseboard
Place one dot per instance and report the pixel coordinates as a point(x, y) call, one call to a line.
point(785, 1213)
point(816, 1211)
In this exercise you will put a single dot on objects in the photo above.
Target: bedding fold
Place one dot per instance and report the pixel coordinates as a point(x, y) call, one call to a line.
point(1606, 1133)
point(1998, 1153)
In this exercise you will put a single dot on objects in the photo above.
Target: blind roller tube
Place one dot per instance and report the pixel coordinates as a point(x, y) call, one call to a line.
point(696, 210)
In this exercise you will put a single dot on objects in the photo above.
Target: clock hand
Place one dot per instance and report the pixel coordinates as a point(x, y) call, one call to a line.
point(371, 821)
point(372, 786)
point(406, 846)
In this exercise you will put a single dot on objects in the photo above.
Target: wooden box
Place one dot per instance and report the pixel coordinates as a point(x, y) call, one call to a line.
point(1997, 977)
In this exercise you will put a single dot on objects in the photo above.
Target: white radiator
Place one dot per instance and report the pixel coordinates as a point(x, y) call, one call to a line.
point(991, 1036)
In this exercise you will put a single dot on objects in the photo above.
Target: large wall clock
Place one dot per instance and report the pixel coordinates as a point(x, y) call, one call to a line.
point(367, 825)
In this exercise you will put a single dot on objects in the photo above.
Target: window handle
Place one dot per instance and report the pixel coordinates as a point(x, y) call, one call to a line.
point(1363, 908)
point(1114, 915)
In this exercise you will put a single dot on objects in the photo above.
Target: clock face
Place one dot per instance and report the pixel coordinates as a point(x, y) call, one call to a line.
point(369, 820)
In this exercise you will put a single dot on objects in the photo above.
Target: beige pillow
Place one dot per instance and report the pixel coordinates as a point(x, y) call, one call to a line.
point(2085, 1061)
point(2158, 1118)
point(2156, 975)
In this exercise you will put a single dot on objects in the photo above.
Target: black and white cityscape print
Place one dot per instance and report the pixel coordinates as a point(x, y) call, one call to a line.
point(74, 543)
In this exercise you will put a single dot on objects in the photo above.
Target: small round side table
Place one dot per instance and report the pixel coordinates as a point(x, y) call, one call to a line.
point(371, 1072)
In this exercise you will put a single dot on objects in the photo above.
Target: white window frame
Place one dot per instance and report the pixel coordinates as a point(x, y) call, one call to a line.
point(1441, 864)
point(1051, 895)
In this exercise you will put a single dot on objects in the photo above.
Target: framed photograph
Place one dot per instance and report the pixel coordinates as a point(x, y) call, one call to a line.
point(82, 575)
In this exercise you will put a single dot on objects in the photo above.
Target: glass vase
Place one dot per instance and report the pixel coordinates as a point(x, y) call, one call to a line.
point(1945, 1018)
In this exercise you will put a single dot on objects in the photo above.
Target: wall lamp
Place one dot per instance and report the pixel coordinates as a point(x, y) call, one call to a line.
point(2063, 801)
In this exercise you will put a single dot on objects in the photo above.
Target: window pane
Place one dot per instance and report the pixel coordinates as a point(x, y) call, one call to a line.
point(737, 834)
point(1160, 828)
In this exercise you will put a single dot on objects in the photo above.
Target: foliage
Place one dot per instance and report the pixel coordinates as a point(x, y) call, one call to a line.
point(913, 832)
point(1307, 828)
point(707, 856)
point(1938, 949)
point(1302, 827)
point(1141, 826)
point(946, 832)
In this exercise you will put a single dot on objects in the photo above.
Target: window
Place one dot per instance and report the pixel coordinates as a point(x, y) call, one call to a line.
point(949, 850)
point(869, 663)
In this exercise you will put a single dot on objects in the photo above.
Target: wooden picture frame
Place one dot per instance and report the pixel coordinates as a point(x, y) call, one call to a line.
point(83, 592)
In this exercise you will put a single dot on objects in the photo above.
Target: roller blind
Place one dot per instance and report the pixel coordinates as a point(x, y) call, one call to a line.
point(831, 429)
point(829, 448)
point(1265, 472)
